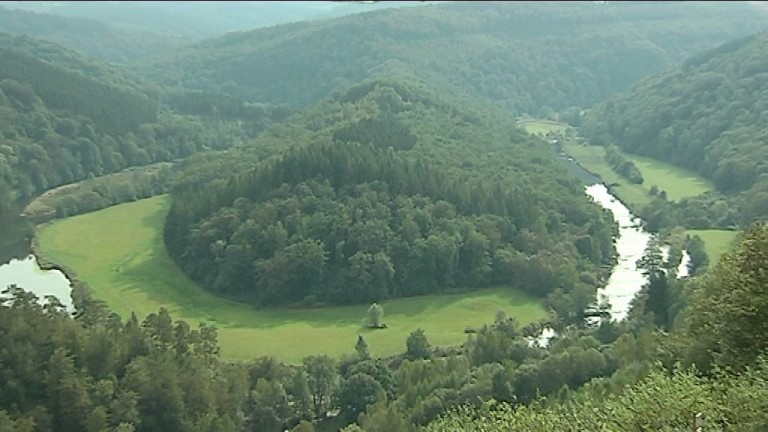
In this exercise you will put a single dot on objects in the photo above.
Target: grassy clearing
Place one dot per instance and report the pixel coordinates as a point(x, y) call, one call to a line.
point(716, 242)
point(542, 127)
point(119, 252)
point(678, 182)
point(592, 158)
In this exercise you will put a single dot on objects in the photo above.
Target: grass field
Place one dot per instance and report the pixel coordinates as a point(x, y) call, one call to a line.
point(119, 252)
point(678, 182)
point(542, 127)
point(592, 158)
point(715, 242)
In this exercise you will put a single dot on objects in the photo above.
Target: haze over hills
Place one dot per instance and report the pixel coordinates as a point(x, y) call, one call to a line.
point(87, 36)
point(515, 53)
point(199, 19)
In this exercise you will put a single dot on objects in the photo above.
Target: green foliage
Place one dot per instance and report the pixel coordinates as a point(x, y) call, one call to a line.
point(417, 346)
point(66, 119)
point(727, 318)
point(704, 116)
point(100, 373)
point(660, 402)
point(530, 57)
point(362, 348)
point(322, 380)
point(356, 393)
point(624, 167)
point(86, 36)
point(341, 222)
point(374, 316)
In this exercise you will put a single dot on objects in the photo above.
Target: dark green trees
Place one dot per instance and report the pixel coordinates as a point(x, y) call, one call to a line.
point(417, 346)
point(331, 221)
point(729, 312)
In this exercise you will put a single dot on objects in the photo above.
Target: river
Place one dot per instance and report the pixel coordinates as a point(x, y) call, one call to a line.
point(625, 280)
point(26, 273)
point(622, 286)
point(20, 267)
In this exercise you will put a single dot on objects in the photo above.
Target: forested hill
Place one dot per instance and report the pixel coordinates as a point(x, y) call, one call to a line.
point(532, 57)
point(709, 115)
point(64, 58)
point(64, 118)
point(87, 36)
point(390, 191)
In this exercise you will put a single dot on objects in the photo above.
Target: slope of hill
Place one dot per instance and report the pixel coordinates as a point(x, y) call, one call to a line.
point(708, 115)
point(89, 37)
point(531, 57)
point(72, 61)
point(391, 191)
point(64, 118)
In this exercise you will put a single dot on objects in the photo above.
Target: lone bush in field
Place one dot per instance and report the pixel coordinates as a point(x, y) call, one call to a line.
point(374, 316)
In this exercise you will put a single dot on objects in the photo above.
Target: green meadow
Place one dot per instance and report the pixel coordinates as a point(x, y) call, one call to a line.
point(119, 253)
point(716, 242)
point(677, 182)
point(542, 127)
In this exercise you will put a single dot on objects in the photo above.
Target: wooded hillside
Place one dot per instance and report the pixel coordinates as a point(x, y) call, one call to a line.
point(534, 57)
point(389, 191)
point(708, 115)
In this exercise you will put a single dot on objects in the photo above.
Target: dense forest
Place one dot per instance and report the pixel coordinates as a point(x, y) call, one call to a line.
point(67, 118)
point(533, 57)
point(713, 361)
point(98, 373)
point(706, 115)
point(381, 198)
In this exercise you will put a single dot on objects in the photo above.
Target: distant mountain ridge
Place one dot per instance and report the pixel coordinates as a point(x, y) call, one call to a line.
point(87, 36)
point(516, 53)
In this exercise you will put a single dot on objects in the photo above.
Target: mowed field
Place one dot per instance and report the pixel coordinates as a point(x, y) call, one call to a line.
point(542, 127)
point(716, 242)
point(119, 253)
point(678, 182)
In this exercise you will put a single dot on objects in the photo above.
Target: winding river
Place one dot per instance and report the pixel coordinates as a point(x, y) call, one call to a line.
point(625, 280)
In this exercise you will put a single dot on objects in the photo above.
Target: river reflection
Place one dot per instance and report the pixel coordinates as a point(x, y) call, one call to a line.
point(26, 274)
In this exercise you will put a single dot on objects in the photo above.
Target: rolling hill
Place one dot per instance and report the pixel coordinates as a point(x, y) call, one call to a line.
point(708, 115)
point(530, 57)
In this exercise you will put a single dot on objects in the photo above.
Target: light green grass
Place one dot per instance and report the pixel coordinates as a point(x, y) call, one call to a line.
point(716, 242)
point(542, 127)
point(678, 182)
point(592, 158)
point(120, 254)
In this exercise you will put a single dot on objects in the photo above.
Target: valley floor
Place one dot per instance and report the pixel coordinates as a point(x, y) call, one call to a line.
point(119, 253)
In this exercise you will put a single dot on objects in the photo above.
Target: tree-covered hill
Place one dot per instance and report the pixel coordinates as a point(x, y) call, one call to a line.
point(89, 37)
point(65, 118)
point(708, 115)
point(73, 61)
point(532, 57)
point(388, 190)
